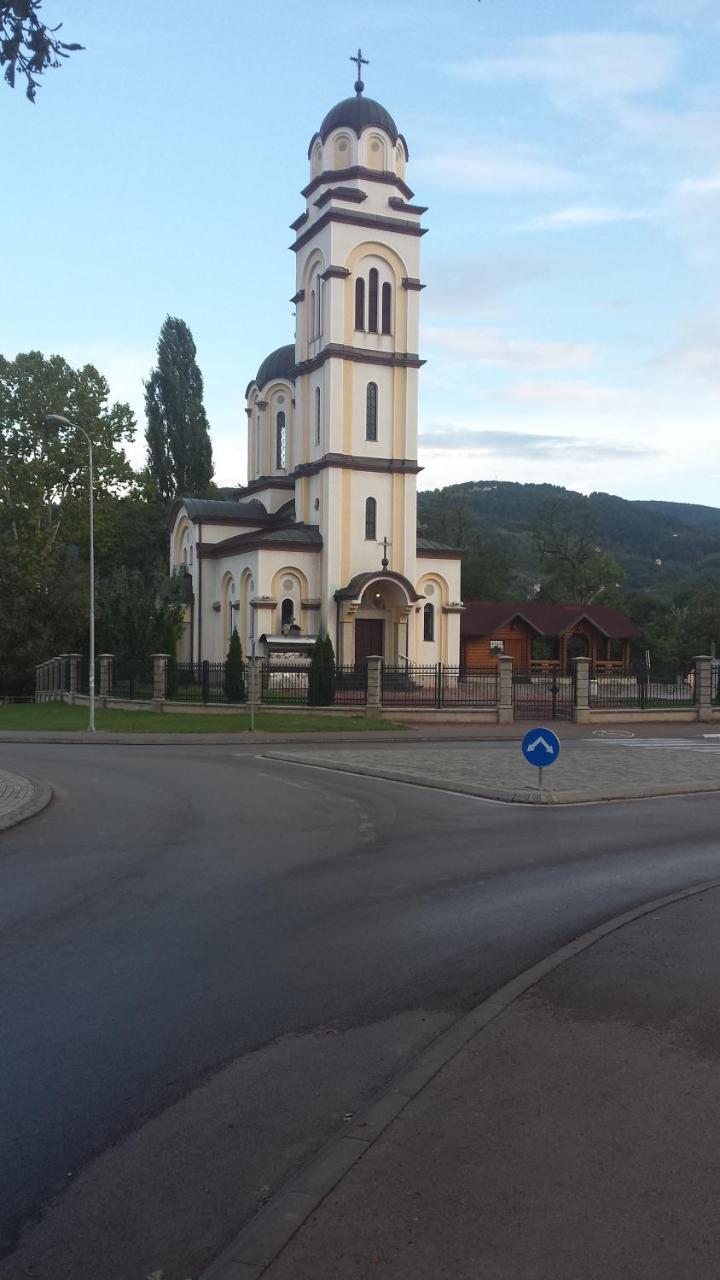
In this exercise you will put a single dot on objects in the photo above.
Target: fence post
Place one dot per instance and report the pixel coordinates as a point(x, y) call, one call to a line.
point(581, 690)
point(159, 661)
point(374, 686)
point(703, 686)
point(74, 665)
point(106, 673)
point(505, 689)
point(254, 681)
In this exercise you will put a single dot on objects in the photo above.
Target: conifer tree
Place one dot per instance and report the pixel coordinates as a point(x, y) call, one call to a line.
point(177, 435)
point(234, 670)
point(321, 684)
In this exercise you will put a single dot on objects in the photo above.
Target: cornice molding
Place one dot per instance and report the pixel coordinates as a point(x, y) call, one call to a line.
point(352, 194)
point(357, 171)
point(335, 273)
point(401, 226)
point(360, 355)
point(401, 205)
point(354, 462)
point(411, 282)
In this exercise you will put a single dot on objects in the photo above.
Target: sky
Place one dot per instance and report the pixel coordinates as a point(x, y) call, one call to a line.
point(569, 153)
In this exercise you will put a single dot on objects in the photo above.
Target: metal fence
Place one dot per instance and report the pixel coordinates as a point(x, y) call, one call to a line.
point(287, 685)
point(640, 687)
point(131, 678)
point(197, 682)
point(542, 693)
point(438, 685)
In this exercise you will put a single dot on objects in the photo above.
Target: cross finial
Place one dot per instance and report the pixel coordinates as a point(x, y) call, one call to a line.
point(385, 544)
point(361, 62)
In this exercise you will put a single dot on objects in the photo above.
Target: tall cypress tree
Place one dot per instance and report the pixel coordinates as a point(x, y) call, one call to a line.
point(177, 435)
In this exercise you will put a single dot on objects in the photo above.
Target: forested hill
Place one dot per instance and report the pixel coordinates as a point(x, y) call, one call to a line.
point(496, 521)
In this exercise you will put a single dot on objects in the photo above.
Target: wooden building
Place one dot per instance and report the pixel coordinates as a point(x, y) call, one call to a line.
point(536, 634)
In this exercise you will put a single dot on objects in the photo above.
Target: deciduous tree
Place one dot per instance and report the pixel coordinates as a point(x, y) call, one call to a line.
point(27, 45)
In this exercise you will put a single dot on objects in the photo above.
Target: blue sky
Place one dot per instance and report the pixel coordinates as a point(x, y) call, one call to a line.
point(569, 151)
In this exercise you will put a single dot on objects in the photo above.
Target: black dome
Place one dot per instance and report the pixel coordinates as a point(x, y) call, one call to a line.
point(279, 364)
point(358, 113)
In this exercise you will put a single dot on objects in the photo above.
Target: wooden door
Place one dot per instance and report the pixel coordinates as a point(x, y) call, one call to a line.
point(369, 635)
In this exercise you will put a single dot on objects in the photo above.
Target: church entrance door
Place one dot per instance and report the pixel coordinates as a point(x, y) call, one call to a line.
point(369, 635)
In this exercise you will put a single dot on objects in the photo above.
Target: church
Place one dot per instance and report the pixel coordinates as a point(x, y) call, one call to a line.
point(323, 538)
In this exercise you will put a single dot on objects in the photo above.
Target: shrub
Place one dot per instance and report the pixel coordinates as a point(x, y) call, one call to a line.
point(234, 682)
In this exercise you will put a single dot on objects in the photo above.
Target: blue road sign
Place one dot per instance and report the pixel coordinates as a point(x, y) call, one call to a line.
point(541, 747)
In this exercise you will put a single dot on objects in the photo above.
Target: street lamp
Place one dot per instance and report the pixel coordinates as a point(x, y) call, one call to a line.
point(57, 420)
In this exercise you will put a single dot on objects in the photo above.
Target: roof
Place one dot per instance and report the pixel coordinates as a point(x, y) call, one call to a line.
point(358, 584)
point(279, 364)
point(442, 548)
point(481, 618)
point(358, 113)
point(303, 536)
point(220, 511)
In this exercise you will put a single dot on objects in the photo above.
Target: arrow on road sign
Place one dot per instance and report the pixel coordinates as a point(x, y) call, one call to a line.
point(541, 742)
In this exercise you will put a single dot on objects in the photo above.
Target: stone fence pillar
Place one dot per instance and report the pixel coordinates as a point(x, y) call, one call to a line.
point(703, 686)
point(374, 685)
point(106, 674)
point(74, 672)
point(505, 702)
point(254, 680)
point(160, 662)
point(581, 701)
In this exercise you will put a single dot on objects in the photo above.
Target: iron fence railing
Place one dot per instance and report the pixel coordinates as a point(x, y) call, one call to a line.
point(131, 678)
point(640, 687)
point(439, 685)
point(197, 682)
point(291, 685)
point(542, 692)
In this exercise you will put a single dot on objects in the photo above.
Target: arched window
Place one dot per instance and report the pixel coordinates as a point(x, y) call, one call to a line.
point(258, 446)
point(371, 519)
point(312, 315)
point(287, 613)
point(317, 415)
point(386, 308)
point(318, 317)
point(321, 307)
point(371, 407)
point(360, 303)
point(429, 622)
point(281, 442)
point(373, 300)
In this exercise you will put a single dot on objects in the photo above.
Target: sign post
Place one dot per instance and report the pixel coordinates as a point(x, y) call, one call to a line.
point(540, 747)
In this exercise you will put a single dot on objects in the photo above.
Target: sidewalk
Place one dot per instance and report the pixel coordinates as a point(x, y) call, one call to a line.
point(20, 798)
point(574, 1136)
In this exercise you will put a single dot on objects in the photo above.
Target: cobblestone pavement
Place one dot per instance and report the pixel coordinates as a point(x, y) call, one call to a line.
point(20, 798)
point(612, 768)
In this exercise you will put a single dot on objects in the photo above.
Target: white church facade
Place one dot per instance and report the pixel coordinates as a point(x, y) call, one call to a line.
point(323, 537)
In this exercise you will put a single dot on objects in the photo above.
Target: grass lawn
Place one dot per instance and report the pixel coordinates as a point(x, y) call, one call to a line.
point(56, 715)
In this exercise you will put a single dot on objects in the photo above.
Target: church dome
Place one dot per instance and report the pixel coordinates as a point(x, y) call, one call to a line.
point(279, 364)
point(358, 113)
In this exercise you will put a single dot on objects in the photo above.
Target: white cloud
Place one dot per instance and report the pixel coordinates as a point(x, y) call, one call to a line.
point(700, 186)
point(471, 282)
point(564, 393)
point(583, 215)
point(525, 444)
point(490, 165)
point(490, 349)
point(595, 65)
point(685, 11)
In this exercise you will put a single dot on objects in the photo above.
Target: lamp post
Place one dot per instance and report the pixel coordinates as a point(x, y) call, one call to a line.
point(58, 420)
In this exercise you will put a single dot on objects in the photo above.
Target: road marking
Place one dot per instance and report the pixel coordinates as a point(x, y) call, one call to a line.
point(661, 744)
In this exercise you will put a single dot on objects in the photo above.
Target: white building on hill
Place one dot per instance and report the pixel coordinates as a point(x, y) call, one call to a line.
point(323, 536)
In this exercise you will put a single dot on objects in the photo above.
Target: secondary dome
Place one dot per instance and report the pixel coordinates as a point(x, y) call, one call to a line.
point(358, 113)
point(279, 364)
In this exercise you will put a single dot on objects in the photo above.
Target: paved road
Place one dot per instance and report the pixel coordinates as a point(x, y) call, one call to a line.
point(208, 959)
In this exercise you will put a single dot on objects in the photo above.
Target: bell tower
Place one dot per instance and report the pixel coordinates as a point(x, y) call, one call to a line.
point(357, 248)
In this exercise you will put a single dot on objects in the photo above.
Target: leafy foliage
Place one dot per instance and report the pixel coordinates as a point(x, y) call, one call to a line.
point(234, 670)
point(574, 570)
point(137, 614)
point(27, 45)
point(321, 684)
point(177, 435)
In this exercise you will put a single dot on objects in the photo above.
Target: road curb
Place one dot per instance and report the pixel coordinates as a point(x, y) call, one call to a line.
point(509, 795)
point(40, 799)
point(260, 1242)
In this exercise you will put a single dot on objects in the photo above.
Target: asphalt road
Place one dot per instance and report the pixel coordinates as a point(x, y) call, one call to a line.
point(207, 959)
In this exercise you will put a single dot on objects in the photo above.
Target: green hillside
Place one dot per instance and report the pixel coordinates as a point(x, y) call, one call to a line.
point(662, 547)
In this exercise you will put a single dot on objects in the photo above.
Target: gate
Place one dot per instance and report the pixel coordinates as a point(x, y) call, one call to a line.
point(543, 693)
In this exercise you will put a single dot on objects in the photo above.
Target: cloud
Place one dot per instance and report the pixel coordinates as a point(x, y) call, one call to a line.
point(594, 65)
point(490, 165)
point(685, 11)
point(557, 393)
point(459, 282)
point(583, 215)
point(700, 186)
point(490, 349)
point(703, 360)
point(526, 444)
